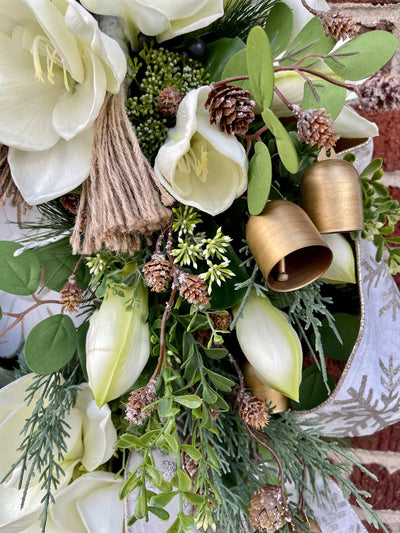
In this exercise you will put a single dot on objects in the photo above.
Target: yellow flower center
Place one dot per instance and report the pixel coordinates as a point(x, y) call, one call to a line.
point(43, 48)
point(195, 161)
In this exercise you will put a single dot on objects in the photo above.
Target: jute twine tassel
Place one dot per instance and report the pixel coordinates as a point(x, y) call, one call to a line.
point(122, 199)
point(7, 185)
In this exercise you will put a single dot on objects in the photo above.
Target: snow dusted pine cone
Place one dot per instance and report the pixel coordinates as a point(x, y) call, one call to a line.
point(157, 273)
point(193, 289)
point(268, 513)
point(138, 400)
point(254, 412)
point(230, 108)
point(338, 24)
point(379, 93)
point(71, 295)
point(315, 127)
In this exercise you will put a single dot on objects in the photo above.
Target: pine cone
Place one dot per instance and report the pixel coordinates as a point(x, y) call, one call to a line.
point(193, 289)
point(157, 273)
point(70, 202)
point(338, 24)
point(315, 127)
point(71, 295)
point(189, 465)
point(138, 400)
point(230, 108)
point(381, 92)
point(267, 511)
point(168, 101)
point(254, 412)
point(221, 322)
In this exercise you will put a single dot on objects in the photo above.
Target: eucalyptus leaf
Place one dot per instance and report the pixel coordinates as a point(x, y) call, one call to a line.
point(279, 25)
point(191, 401)
point(286, 150)
point(328, 96)
point(260, 67)
point(18, 275)
point(260, 176)
point(237, 66)
point(217, 55)
point(159, 512)
point(51, 344)
point(191, 451)
point(59, 263)
point(347, 326)
point(364, 55)
point(310, 40)
point(312, 389)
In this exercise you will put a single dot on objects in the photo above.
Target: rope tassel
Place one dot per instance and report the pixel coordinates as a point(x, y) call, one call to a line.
point(122, 199)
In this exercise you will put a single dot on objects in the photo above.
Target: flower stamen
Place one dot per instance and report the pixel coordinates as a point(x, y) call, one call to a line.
point(41, 46)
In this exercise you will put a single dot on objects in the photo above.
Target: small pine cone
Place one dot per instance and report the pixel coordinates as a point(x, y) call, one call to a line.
point(230, 108)
point(338, 24)
point(168, 101)
point(189, 465)
point(138, 400)
point(193, 289)
point(71, 295)
point(70, 202)
point(254, 412)
point(267, 510)
point(315, 127)
point(381, 92)
point(157, 273)
point(221, 322)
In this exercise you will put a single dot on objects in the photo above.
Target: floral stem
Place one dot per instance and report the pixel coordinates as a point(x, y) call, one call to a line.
point(19, 316)
point(316, 73)
point(239, 372)
point(230, 80)
point(309, 8)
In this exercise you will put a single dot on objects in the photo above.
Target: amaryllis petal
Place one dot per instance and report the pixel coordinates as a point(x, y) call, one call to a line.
point(342, 268)
point(271, 345)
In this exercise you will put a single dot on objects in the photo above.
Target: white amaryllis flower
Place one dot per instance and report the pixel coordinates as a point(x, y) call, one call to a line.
point(55, 69)
point(198, 164)
point(271, 345)
point(91, 442)
point(117, 343)
point(162, 18)
point(342, 268)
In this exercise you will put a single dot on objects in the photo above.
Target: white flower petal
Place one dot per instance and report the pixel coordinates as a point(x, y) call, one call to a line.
point(36, 527)
point(42, 176)
point(72, 504)
point(302, 15)
point(13, 519)
point(102, 511)
point(19, 126)
point(342, 268)
point(85, 27)
point(99, 434)
point(76, 111)
point(351, 125)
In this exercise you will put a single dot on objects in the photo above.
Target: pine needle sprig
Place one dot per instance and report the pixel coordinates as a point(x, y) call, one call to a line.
point(54, 221)
point(240, 17)
point(44, 436)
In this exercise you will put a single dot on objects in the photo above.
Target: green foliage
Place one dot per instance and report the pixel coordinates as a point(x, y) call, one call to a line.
point(286, 149)
point(347, 326)
point(218, 54)
point(312, 390)
point(260, 176)
point(21, 274)
point(51, 344)
point(44, 436)
point(320, 94)
point(279, 25)
point(260, 67)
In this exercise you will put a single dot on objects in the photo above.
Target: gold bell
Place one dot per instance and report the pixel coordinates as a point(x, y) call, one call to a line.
point(288, 248)
point(331, 194)
point(312, 524)
point(258, 388)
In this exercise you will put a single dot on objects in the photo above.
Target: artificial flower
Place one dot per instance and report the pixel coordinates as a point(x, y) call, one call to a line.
point(117, 343)
point(161, 18)
point(198, 164)
point(271, 345)
point(55, 68)
point(342, 269)
point(91, 442)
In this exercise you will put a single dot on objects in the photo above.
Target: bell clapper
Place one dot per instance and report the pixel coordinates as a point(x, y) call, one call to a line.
point(282, 275)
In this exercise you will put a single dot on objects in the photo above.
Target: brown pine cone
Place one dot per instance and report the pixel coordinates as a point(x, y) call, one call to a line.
point(230, 108)
point(138, 400)
point(157, 273)
point(381, 92)
point(193, 289)
point(71, 295)
point(254, 412)
point(338, 24)
point(70, 202)
point(221, 321)
point(315, 127)
point(267, 510)
point(168, 101)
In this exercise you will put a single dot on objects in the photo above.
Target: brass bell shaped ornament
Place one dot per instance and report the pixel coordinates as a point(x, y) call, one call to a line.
point(331, 195)
point(287, 247)
point(258, 388)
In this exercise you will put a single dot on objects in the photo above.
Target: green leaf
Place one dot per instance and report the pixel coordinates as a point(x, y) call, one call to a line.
point(187, 522)
point(51, 344)
point(172, 442)
point(193, 498)
point(348, 327)
point(130, 485)
point(260, 176)
point(162, 499)
point(329, 97)
point(154, 475)
point(369, 52)
point(219, 381)
point(191, 401)
point(18, 275)
point(209, 395)
point(310, 40)
point(217, 55)
point(279, 25)
point(191, 451)
point(174, 527)
point(237, 66)
point(129, 441)
point(81, 346)
point(160, 513)
point(375, 165)
point(184, 481)
point(287, 151)
point(215, 353)
point(312, 389)
point(260, 67)
point(59, 263)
